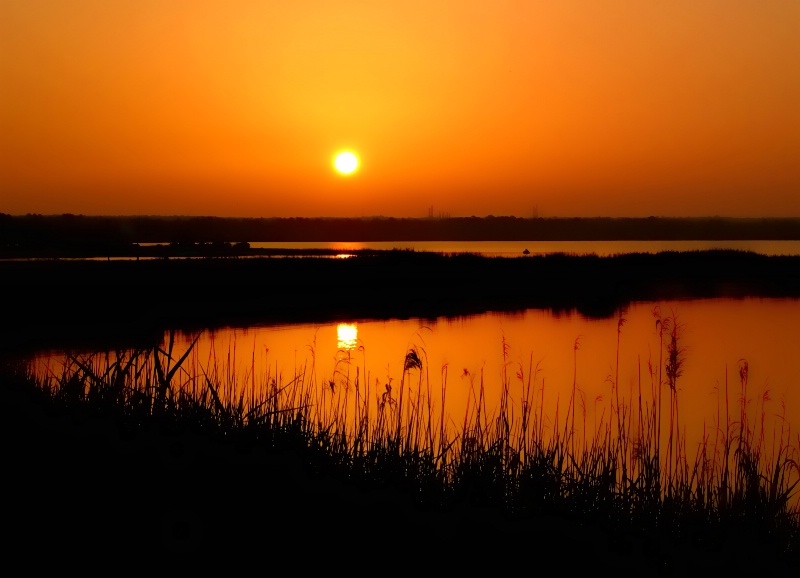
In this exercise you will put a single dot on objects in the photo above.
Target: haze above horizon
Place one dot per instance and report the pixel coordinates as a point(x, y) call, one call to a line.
point(454, 108)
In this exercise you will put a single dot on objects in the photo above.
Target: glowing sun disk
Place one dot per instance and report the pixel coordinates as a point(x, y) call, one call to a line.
point(346, 162)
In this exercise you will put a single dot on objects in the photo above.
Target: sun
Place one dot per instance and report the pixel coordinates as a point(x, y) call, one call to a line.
point(346, 162)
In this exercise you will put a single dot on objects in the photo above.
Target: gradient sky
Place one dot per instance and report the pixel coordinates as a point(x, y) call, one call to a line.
point(473, 107)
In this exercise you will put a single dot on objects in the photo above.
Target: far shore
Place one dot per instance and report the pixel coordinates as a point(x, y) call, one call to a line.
point(22, 235)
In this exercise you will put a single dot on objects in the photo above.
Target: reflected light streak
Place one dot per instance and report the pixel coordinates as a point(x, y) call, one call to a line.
point(346, 336)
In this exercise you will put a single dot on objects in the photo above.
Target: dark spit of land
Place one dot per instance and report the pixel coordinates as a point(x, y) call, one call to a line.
point(67, 278)
point(54, 302)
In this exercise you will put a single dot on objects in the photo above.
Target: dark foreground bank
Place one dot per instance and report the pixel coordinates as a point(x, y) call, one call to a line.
point(88, 490)
point(57, 302)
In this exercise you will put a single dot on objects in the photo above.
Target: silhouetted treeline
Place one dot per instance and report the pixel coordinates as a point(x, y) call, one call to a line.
point(113, 233)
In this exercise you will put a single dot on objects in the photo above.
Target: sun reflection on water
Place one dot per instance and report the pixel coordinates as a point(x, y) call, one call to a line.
point(346, 336)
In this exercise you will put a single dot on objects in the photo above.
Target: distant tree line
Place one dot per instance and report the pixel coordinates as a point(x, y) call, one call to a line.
point(109, 233)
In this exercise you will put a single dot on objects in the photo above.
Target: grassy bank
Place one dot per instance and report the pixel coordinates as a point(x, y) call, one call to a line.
point(631, 483)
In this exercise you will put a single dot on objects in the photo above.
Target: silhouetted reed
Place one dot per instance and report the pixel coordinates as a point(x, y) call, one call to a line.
point(512, 456)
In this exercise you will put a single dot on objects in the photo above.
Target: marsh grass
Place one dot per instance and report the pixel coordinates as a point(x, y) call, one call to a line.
point(616, 472)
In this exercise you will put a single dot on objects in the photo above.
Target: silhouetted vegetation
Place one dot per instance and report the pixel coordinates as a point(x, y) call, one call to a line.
point(513, 458)
point(52, 300)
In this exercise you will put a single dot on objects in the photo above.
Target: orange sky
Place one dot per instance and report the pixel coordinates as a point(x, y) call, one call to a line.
point(474, 107)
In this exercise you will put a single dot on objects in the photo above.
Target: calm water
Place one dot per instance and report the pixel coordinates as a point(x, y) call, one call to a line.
point(516, 248)
point(549, 352)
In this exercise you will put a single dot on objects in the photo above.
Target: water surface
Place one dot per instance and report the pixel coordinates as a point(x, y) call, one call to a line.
point(544, 356)
point(516, 248)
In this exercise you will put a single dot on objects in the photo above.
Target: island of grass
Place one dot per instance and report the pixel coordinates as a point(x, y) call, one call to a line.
point(47, 299)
